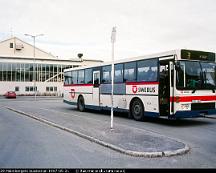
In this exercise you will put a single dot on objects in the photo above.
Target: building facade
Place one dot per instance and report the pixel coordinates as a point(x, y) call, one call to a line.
point(22, 71)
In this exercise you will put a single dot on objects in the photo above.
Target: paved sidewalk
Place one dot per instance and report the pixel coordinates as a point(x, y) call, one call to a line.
point(125, 139)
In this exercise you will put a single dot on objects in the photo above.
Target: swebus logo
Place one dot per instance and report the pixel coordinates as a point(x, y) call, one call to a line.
point(72, 93)
point(135, 89)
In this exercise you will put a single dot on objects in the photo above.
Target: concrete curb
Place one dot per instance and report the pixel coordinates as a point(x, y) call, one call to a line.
point(105, 144)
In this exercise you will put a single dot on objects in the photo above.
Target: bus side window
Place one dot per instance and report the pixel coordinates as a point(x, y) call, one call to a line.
point(130, 71)
point(96, 79)
point(81, 77)
point(147, 70)
point(67, 78)
point(88, 76)
point(106, 74)
point(118, 74)
point(180, 76)
point(96, 82)
point(74, 77)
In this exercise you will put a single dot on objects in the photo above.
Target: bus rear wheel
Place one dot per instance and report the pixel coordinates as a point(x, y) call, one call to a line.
point(137, 110)
point(81, 104)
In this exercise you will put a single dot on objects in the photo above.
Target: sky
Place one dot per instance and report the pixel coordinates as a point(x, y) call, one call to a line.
point(84, 26)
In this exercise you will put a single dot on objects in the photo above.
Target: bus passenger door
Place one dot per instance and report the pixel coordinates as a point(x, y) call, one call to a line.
point(96, 88)
point(166, 88)
point(171, 81)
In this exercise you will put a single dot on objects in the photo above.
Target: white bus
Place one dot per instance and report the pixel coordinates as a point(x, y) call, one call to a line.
point(175, 84)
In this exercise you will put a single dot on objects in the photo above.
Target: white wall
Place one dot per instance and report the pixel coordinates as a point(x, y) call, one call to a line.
point(26, 51)
point(41, 87)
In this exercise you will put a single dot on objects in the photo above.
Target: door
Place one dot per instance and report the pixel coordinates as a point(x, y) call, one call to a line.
point(96, 88)
point(166, 88)
point(171, 81)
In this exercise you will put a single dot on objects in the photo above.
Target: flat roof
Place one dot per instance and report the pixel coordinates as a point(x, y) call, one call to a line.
point(48, 59)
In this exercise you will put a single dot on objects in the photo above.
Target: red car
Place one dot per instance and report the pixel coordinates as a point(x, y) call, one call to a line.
point(10, 94)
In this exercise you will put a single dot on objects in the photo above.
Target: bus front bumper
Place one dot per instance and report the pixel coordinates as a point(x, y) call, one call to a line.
point(193, 114)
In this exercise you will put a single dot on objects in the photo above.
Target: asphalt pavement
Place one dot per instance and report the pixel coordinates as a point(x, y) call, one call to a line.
point(73, 151)
point(26, 143)
point(124, 139)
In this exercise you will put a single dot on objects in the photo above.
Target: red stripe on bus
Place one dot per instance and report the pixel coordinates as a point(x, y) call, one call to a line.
point(142, 83)
point(78, 85)
point(190, 98)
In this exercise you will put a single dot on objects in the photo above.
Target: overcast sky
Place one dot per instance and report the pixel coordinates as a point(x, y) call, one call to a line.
point(84, 26)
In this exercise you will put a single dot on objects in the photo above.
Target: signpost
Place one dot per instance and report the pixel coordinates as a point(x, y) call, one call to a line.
point(113, 39)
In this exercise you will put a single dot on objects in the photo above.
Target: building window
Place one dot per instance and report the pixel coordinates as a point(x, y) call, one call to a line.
point(31, 88)
point(51, 89)
point(26, 88)
point(16, 88)
point(11, 45)
point(55, 88)
point(24, 72)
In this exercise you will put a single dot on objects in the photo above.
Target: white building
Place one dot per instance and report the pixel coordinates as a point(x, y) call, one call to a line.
point(17, 64)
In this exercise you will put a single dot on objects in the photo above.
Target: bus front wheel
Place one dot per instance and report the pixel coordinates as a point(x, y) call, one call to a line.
point(81, 104)
point(137, 109)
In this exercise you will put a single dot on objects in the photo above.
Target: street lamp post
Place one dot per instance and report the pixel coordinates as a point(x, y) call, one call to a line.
point(113, 39)
point(34, 72)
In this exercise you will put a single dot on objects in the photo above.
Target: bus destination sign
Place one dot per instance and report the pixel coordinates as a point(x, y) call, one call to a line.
point(197, 55)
